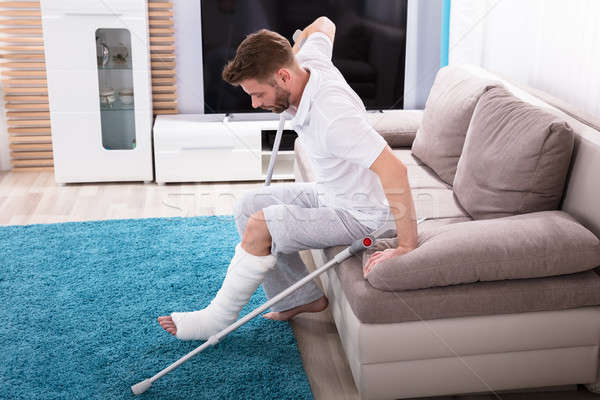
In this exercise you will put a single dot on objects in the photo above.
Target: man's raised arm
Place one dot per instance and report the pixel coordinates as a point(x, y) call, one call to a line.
point(321, 24)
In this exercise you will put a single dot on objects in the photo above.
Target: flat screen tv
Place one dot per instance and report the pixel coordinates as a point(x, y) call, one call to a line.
point(369, 47)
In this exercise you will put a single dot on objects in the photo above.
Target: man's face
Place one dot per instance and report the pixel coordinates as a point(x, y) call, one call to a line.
point(268, 96)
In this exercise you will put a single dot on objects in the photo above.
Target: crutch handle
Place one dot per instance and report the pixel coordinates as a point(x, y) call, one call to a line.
point(360, 245)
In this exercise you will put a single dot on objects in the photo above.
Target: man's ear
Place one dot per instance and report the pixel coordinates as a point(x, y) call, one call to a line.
point(284, 76)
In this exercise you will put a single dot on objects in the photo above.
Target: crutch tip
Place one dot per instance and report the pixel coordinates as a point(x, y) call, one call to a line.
point(141, 387)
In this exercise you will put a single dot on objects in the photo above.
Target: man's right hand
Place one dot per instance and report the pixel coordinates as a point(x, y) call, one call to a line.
point(299, 42)
point(321, 24)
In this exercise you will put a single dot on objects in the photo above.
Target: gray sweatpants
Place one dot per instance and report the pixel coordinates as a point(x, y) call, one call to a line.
point(296, 222)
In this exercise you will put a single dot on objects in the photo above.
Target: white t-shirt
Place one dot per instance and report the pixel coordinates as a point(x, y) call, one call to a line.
point(342, 145)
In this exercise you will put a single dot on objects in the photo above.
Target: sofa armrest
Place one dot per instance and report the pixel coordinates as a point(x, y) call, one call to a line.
point(398, 127)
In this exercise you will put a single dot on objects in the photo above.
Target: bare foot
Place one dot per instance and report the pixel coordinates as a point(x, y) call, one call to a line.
point(316, 306)
point(167, 324)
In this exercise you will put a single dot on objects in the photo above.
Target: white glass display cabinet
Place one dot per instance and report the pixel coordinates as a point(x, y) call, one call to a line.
point(99, 89)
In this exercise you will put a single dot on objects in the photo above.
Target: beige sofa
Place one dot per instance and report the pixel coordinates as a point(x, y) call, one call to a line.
point(475, 337)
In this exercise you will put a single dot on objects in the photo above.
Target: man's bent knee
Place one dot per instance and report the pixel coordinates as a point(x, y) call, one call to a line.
point(257, 238)
point(242, 205)
point(252, 202)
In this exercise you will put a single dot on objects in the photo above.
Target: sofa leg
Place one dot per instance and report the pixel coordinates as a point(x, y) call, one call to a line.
point(593, 387)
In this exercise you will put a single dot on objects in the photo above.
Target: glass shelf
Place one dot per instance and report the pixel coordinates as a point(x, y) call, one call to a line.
point(117, 106)
point(125, 67)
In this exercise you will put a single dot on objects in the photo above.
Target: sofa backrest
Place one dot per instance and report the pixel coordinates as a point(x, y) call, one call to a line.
point(582, 193)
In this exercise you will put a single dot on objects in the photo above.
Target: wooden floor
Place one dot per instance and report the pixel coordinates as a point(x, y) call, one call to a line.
point(34, 197)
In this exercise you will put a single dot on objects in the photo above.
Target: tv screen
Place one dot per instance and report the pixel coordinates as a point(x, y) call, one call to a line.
point(369, 46)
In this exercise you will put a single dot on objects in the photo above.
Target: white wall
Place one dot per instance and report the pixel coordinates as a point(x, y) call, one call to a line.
point(551, 45)
point(423, 46)
point(188, 56)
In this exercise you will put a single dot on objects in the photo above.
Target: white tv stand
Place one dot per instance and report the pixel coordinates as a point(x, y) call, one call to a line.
point(213, 147)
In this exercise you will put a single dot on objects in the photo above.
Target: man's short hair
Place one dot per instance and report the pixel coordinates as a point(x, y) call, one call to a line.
point(259, 56)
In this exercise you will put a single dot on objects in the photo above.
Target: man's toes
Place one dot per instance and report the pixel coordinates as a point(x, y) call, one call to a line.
point(167, 324)
point(277, 316)
point(271, 315)
point(171, 329)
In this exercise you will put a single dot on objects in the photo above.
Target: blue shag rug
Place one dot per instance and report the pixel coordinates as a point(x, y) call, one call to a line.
point(80, 302)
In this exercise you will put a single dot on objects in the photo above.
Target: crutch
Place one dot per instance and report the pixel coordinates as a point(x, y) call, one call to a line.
point(275, 150)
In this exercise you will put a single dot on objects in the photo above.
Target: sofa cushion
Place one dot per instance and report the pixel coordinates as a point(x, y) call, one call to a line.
point(374, 306)
point(432, 196)
point(448, 110)
point(398, 127)
point(407, 158)
point(524, 246)
point(437, 203)
point(581, 194)
point(421, 176)
point(515, 159)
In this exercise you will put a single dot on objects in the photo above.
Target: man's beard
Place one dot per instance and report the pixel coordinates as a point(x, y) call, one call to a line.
point(282, 100)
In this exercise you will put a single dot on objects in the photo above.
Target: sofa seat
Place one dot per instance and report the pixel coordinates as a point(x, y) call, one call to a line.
point(373, 306)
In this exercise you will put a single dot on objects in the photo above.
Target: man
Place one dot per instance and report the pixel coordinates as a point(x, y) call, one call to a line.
point(359, 181)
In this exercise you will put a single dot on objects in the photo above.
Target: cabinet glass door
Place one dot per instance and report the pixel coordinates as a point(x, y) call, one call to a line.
point(115, 81)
